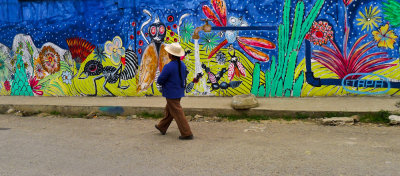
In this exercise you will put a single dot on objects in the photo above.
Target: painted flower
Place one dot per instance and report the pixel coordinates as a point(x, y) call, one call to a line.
point(4, 67)
point(50, 59)
point(99, 54)
point(7, 85)
point(320, 33)
point(209, 41)
point(115, 50)
point(384, 37)
point(370, 18)
point(33, 82)
point(67, 77)
point(347, 2)
point(40, 73)
point(186, 32)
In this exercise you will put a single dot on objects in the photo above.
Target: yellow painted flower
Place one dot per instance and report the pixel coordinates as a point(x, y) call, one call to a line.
point(384, 37)
point(370, 18)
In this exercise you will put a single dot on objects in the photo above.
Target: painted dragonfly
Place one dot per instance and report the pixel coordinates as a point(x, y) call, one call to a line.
point(232, 36)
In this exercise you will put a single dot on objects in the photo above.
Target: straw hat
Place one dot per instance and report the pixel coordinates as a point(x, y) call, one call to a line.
point(175, 49)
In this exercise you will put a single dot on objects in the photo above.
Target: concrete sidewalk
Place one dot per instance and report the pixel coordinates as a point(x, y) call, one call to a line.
point(312, 106)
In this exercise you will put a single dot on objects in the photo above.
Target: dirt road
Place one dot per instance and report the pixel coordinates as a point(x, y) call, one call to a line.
point(66, 146)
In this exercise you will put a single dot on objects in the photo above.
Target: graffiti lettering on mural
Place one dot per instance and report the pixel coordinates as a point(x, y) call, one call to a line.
point(363, 82)
point(231, 47)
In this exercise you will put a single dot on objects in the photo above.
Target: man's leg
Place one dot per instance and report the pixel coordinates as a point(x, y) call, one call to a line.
point(166, 121)
point(177, 113)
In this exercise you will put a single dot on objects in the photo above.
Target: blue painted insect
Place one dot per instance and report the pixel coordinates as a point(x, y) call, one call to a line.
point(195, 80)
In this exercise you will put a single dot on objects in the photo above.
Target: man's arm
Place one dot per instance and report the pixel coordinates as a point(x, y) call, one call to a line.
point(164, 75)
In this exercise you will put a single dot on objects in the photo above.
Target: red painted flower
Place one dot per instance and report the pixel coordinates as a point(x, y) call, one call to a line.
point(140, 42)
point(33, 82)
point(172, 33)
point(146, 34)
point(347, 2)
point(167, 39)
point(174, 26)
point(320, 33)
point(138, 32)
point(169, 27)
point(7, 85)
point(170, 18)
point(133, 24)
point(175, 40)
point(132, 37)
point(140, 50)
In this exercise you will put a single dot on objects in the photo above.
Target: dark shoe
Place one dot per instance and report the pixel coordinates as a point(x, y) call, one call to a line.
point(186, 137)
point(163, 133)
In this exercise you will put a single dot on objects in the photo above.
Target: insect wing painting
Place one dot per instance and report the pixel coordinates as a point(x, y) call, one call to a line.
point(155, 56)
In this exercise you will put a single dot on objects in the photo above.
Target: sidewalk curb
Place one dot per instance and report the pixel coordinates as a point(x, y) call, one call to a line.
point(129, 110)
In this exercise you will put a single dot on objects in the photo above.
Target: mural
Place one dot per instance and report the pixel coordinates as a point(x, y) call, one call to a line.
point(270, 48)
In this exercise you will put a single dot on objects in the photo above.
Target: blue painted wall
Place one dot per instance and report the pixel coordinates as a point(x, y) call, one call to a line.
point(100, 21)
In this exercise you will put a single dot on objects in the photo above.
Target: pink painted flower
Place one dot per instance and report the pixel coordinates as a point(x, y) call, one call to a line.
point(33, 82)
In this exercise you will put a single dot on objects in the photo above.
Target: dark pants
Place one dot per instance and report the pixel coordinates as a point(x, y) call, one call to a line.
point(173, 110)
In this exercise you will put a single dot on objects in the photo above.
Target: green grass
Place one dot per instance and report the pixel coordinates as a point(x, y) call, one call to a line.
point(381, 117)
point(245, 117)
point(338, 114)
point(80, 115)
point(300, 115)
point(150, 115)
point(297, 116)
point(55, 113)
point(378, 117)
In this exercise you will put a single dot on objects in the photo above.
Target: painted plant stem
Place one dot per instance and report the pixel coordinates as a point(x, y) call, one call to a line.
point(280, 80)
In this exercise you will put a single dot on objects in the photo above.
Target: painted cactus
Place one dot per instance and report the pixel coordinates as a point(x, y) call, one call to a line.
point(280, 79)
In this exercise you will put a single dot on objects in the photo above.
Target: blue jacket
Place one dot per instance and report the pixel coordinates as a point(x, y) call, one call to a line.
point(169, 79)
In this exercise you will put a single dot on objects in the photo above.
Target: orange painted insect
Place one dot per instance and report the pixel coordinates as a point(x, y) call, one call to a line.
point(154, 56)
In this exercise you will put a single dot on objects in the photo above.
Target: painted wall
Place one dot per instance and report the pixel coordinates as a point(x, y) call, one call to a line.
point(271, 48)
